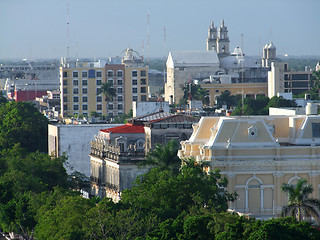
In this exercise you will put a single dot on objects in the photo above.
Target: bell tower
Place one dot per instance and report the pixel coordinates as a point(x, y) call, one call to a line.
point(212, 38)
point(223, 40)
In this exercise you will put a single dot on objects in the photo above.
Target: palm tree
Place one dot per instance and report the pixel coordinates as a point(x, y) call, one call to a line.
point(164, 156)
point(300, 205)
point(108, 91)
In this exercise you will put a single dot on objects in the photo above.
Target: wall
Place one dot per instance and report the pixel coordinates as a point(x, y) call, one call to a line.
point(75, 141)
point(143, 108)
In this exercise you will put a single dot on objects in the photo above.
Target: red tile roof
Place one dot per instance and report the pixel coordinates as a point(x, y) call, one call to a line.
point(127, 128)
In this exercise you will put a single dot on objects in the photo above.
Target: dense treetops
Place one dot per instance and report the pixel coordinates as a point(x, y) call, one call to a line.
point(38, 200)
point(22, 123)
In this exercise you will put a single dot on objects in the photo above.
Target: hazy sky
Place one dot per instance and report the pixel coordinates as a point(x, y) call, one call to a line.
point(103, 28)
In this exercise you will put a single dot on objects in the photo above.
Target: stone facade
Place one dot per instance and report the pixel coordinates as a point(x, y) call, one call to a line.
point(258, 154)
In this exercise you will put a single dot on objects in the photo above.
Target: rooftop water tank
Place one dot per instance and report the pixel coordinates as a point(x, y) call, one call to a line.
point(311, 109)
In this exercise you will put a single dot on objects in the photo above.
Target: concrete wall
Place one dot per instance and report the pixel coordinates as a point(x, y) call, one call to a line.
point(74, 140)
point(143, 108)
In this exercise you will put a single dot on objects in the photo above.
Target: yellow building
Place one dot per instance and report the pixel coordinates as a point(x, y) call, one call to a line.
point(251, 90)
point(79, 83)
point(258, 154)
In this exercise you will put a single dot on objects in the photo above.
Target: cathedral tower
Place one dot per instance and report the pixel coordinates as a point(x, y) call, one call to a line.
point(223, 40)
point(212, 38)
point(268, 55)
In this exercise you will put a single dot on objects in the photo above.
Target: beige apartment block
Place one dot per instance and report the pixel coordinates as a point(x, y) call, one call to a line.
point(258, 154)
point(136, 85)
point(79, 83)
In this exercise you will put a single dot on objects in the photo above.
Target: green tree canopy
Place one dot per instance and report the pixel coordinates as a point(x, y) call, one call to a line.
point(108, 91)
point(23, 178)
point(164, 157)
point(20, 122)
point(197, 93)
point(261, 105)
point(225, 98)
point(168, 194)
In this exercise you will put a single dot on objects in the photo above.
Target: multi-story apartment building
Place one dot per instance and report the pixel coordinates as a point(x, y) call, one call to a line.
point(115, 73)
point(81, 84)
point(283, 80)
point(136, 75)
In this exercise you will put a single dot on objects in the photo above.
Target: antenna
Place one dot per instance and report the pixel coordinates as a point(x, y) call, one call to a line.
point(148, 40)
point(68, 37)
point(164, 55)
point(242, 73)
point(142, 48)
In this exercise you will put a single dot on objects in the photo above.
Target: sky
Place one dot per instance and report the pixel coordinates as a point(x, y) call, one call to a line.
point(36, 29)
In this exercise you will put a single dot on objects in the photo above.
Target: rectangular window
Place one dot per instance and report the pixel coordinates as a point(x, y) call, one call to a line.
point(85, 107)
point(143, 98)
point(99, 98)
point(143, 81)
point(85, 114)
point(134, 90)
point(65, 74)
point(316, 130)
point(65, 107)
point(84, 74)
point(134, 98)
point(143, 90)
point(84, 90)
point(98, 91)
point(134, 81)
point(99, 82)
point(143, 73)
point(65, 82)
point(84, 99)
point(99, 107)
point(134, 73)
point(65, 90)
point(119, 73)
point(119, 90)
point(75, 91)
point(110, 81)
point(65, 99)
point(75, 107)
point(120, 82)
point(120, 106)
point(75, 82)
point(110, 73)
point(75, 74)
point(110, 106)
point(84, 82)
point(120, 98)
point(75, 99)
point(91, 73)
point(99, 74)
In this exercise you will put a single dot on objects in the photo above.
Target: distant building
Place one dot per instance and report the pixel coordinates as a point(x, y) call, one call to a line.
point(28, 80)
point(217, 69)
point(81, 83)
point(258, 154)
point(184, 66)
point(143, 108)
point(283, 80)
point(74, 141)
point(116, 152)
